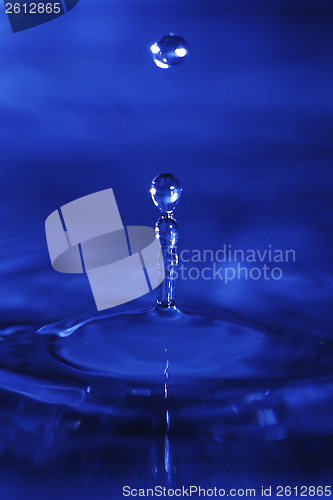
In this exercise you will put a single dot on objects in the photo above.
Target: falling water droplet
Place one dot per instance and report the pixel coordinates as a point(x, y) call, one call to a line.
point(170, 51)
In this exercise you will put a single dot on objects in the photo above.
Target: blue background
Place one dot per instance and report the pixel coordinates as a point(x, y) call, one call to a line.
point(246, 124)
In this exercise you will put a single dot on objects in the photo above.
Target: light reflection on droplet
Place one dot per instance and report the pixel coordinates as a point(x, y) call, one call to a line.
point(170, 51)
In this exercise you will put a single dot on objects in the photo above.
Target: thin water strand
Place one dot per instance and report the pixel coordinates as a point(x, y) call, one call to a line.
point(166, 190)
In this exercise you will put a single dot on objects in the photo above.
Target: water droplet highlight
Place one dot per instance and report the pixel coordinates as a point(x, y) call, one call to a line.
point(170, 51)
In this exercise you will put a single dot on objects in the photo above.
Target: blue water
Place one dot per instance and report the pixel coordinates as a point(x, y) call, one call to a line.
point(235, 390)
point(150, 397)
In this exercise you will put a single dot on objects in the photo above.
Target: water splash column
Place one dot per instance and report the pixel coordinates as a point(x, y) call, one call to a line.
point(166, 190)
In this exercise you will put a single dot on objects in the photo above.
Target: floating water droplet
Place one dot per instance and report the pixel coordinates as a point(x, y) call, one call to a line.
point(170, 51)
